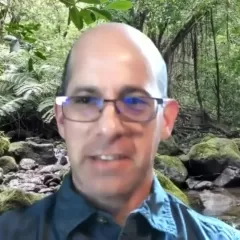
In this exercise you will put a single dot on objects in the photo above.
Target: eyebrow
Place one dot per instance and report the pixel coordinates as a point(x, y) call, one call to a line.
point(123, 91)
point(87, 89)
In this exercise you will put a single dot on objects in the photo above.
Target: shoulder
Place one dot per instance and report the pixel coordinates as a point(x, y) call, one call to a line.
point(206, 226)
point(25, 219)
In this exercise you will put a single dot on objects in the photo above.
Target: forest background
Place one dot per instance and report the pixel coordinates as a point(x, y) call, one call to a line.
point(199, 39)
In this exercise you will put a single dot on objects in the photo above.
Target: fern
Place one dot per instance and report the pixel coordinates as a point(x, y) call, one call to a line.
point(11, 106)
point(21, 90)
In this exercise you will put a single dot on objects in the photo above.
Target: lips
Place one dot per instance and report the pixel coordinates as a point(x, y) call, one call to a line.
point(109, 157)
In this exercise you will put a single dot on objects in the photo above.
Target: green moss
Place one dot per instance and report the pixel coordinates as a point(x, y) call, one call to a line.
point(215, 148)
point(171, 188)
point(169, 161)
point(237, 142)
point(8, 164)
point(203, 150)
point(207, 137)
point(15, 198)
point(4, 143)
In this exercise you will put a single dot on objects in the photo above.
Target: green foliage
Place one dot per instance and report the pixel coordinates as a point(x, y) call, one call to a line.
point(88, 15)
point(47, 30)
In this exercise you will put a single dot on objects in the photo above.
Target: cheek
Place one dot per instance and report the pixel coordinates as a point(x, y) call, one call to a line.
point(148, 143)
point(75, 137)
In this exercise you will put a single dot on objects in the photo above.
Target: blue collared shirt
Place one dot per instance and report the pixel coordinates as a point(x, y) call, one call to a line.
point(66, 215)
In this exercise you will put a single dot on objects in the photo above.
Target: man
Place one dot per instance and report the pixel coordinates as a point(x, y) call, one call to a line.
point(112, 113)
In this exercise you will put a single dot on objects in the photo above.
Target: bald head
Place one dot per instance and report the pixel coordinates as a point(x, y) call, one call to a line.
point(116, 39)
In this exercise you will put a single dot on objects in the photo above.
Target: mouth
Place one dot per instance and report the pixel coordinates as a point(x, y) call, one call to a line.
point(108, 157)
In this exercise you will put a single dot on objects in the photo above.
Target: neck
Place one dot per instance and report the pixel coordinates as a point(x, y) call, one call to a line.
point(120, 206)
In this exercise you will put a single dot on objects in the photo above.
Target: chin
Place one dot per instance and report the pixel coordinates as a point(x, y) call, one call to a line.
point(113, 187)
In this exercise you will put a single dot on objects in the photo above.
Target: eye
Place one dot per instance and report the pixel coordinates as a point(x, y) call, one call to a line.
point(85, 100)
point(134, 100)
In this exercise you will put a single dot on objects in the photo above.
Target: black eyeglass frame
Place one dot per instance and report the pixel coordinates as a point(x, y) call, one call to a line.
point(60, 100)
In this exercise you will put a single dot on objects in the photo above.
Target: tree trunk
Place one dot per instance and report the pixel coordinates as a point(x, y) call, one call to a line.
point(217, 82)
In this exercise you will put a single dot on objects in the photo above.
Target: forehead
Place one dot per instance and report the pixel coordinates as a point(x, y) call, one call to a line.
point(110, 72)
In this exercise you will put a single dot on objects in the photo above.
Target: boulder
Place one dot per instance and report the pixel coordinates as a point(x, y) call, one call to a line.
point(230, 177)
point(217, 203)
point(169, 147)
point(237, 141)
point(170, 187)
point(198, 185)
point(15, 198)
point(209, 158)
point(43, 154)
point(4, 144)
point(8, 164)
point(172, 167)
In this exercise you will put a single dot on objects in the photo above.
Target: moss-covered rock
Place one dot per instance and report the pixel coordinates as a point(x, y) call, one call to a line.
point(8, 164)
point(212, 156)
point(15, 198)
point(237, 141)
point(172, 167)
point(4, 144)
point(170, 187)
point(19, 150)
point(169, 147)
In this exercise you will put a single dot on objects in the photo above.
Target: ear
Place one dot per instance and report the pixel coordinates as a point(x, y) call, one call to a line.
point(59, 119)
point(170, 113)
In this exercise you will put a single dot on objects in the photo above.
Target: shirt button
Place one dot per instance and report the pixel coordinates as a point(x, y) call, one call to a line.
point(102, 220)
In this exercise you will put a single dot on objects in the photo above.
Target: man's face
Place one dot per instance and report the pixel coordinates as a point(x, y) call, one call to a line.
point(109, 76)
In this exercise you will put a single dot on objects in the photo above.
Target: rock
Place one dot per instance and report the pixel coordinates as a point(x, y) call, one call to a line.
point(195, 201)
point(172, 167)
point(18, 135)
point(20, 150)
point(230, 177)
point(27, 164)
point(51, 168)
point(64, 160)
point(217, 203)
point(43, 154)
point(237, 141)
point(14, 198)
point(47, 190)
point(8, 164)
point(170, 187)
point(4, 144)
point(198, 184)
point(211, 157)
point(51, 180)
point(38, 140)
point(169, 147)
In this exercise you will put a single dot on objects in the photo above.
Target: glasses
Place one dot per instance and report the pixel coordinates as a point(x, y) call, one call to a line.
point(89, 108)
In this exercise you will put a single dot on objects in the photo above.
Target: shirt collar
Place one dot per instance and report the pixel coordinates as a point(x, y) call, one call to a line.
point(72, 209)
point(157, 209)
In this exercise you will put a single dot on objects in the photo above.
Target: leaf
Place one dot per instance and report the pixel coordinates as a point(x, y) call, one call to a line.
point(76, 17)
point(101, 13)
point(40, 55)
point(68, 3)
point(88, 16)
point(120, 5)
point(29, 39)
point(90, 1)
point(30, 65)
point(103, 1)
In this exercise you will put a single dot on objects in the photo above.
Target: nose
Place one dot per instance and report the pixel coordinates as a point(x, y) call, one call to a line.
point(110, 124)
